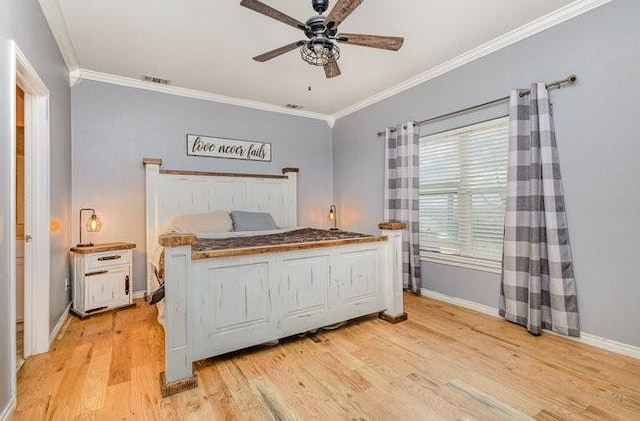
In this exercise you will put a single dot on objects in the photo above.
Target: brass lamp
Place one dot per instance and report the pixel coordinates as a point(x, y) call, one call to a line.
point(93, 225)
point(333, 216)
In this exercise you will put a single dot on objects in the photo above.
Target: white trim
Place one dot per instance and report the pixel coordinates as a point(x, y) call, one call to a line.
point(74, 77)
point(139, 294)
point(58, 26)
point(7, 412)
point(61, 321)
point(545, 22)
point(37, 212)
point(192, 93)
point(608, 344)
point(480, 308)
point(462, 262)
point(585, 338)
point(37, 209)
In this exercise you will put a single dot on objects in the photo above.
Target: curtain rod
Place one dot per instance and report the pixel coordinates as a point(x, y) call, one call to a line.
point(557, 84)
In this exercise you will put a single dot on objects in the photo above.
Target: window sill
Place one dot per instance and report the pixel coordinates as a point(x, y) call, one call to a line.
point(463, 262)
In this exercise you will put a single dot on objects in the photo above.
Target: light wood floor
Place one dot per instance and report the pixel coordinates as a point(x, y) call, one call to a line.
point(445, 362)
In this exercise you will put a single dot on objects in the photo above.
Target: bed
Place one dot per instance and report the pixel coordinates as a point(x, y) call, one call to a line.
point(227, 292)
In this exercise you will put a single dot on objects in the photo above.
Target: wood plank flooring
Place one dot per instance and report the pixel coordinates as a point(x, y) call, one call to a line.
point(445, 362)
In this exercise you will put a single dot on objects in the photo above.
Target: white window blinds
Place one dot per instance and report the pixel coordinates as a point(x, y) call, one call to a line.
point(463, 178)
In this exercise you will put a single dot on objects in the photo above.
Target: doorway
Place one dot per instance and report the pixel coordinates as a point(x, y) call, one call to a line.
point(19, 227)
point(30, 209)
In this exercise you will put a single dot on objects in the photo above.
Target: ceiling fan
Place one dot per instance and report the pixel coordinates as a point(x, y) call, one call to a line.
point(320, 48)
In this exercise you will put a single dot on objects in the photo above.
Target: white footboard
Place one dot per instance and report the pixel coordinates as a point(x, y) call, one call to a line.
point(219, 305)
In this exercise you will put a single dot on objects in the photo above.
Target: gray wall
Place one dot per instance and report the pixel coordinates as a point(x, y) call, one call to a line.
point(597, 131)
point(114, 127)
point(22, 21)
point(5, 211)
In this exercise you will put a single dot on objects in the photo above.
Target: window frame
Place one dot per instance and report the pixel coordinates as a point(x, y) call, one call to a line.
point(459, 188)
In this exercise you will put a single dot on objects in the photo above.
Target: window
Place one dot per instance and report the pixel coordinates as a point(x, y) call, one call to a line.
point(463, 179)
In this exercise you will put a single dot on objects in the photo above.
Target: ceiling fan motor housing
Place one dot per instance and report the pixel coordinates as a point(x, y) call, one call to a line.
point(316, 27)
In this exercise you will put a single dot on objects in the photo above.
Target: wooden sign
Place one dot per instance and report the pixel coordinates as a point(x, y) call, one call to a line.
point(216, 147)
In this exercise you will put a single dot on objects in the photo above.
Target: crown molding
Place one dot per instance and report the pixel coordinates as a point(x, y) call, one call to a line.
point(85, 74)
point(55, 19)
point(554, 18)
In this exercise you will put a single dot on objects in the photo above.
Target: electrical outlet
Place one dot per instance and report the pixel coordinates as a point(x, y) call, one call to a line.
point(67, 285)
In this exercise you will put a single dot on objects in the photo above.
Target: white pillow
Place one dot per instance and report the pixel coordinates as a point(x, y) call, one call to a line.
point(217, 221)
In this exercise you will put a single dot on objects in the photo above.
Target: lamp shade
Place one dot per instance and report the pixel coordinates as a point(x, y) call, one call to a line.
point(93, 224)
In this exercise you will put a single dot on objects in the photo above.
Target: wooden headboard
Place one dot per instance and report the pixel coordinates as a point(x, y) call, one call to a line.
point(180, 192)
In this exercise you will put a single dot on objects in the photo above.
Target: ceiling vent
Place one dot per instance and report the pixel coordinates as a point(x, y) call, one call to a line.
point(153, 79)
point(294, 106)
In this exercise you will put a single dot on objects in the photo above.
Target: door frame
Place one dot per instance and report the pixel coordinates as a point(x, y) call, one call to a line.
point(37, 207)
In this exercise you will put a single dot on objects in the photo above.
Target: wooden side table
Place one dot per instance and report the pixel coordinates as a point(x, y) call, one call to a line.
point(102, 278)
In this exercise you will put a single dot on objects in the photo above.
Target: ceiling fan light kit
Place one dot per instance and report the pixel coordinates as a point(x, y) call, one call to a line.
point(320, 48)
point(319, 52)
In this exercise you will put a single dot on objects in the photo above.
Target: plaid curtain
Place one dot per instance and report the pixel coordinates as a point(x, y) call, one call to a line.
point(401, 196)
point(537, 288)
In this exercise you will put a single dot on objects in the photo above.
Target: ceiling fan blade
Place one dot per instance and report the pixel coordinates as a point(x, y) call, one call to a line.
point(278, 51)
point(259, 7)
point(373, 41)
point(331, 69)
point(341, 10)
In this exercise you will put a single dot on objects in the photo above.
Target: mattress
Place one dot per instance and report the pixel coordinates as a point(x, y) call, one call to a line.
point(297, 239)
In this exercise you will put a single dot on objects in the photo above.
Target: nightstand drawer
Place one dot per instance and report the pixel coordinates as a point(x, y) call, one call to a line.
point(107, 259)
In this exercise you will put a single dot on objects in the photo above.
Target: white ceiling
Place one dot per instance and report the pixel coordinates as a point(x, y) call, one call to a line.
point(207, 45)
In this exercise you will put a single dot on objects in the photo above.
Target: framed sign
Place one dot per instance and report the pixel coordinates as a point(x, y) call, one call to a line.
point(217, 147)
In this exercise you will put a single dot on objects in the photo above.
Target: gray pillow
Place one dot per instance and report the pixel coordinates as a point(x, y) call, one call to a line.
point(252, 221)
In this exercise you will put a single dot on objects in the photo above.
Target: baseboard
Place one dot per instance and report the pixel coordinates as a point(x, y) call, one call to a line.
point(139, 294)
point(585, 338)
point(61, 321)
point(605, 343)
point(8, 411)
point(480, 308)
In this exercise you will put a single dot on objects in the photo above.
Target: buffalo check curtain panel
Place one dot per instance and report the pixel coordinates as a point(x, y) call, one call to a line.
point(401, 196)
point(538, 289)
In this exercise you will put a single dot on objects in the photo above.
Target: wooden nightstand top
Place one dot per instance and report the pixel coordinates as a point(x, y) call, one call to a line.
point(96, 248)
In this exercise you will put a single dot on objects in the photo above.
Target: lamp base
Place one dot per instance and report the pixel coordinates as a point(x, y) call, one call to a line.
point(334, 229)
point(85, 245)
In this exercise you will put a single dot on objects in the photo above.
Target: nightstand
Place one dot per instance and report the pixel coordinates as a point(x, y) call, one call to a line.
point(102, 278)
